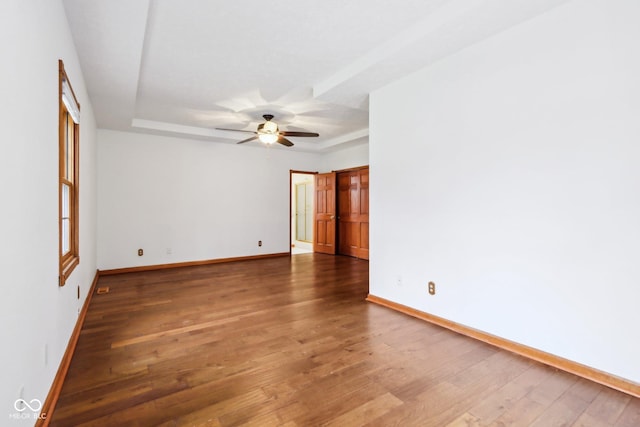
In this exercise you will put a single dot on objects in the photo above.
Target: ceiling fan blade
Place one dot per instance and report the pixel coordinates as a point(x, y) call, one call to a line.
point(295, 133)
point(285, 141)
point(247, 140)
point(237, 130)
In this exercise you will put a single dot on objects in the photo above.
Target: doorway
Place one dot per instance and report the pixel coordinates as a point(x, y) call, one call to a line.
point(329, 212)
point(302, 199)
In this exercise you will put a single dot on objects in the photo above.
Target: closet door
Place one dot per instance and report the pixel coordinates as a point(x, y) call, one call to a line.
point(353, 213)
point(304, 212)
point(363, 249)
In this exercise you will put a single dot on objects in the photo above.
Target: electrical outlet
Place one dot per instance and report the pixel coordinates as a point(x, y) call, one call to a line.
point(259, 242)
point(432, 288)
point(399, 281)
point(140, 252)
point(169, 251)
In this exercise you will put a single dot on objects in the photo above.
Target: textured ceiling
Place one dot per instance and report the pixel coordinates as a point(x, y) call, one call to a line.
point(186, 67)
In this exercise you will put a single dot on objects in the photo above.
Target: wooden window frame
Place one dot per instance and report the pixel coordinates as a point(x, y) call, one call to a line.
point(68, 167)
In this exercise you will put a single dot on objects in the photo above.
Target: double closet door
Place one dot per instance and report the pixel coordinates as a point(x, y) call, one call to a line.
point(342, 213)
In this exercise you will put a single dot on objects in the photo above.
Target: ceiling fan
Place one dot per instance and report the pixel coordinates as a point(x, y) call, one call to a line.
point(269, 133)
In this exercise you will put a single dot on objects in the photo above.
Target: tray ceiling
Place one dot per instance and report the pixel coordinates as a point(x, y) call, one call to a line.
point(186, 67)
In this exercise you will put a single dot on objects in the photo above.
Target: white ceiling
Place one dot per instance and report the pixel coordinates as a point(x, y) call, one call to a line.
point(186, 67)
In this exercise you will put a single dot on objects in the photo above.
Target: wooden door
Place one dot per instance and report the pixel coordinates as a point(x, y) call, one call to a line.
point(324, 221)
point(353, 213)
point(363, 194)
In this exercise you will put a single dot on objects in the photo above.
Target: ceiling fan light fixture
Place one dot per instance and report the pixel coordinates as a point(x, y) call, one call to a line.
point(268, 138)
point(270, 127)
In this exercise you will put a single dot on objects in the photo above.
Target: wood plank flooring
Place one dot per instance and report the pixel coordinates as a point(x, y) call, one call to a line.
point(291, 342)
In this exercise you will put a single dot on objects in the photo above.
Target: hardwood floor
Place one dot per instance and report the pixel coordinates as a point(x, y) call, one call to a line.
point(291, 342)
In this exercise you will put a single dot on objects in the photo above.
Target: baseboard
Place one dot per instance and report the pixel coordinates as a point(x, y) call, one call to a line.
point(561, 363)
point(54, 392)
point(189, 263)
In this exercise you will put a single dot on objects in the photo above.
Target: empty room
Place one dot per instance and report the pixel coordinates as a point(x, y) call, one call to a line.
point(414, 213)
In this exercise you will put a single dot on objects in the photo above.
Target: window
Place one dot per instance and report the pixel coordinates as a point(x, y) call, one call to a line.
point(69, 132)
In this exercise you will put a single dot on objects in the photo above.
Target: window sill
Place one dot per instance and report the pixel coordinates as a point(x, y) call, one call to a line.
point(67, 268)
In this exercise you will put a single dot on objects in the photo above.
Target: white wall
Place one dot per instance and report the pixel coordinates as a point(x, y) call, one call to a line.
point(37, 315)
point(509, 175)
point(346, 158)
point(203, 200)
